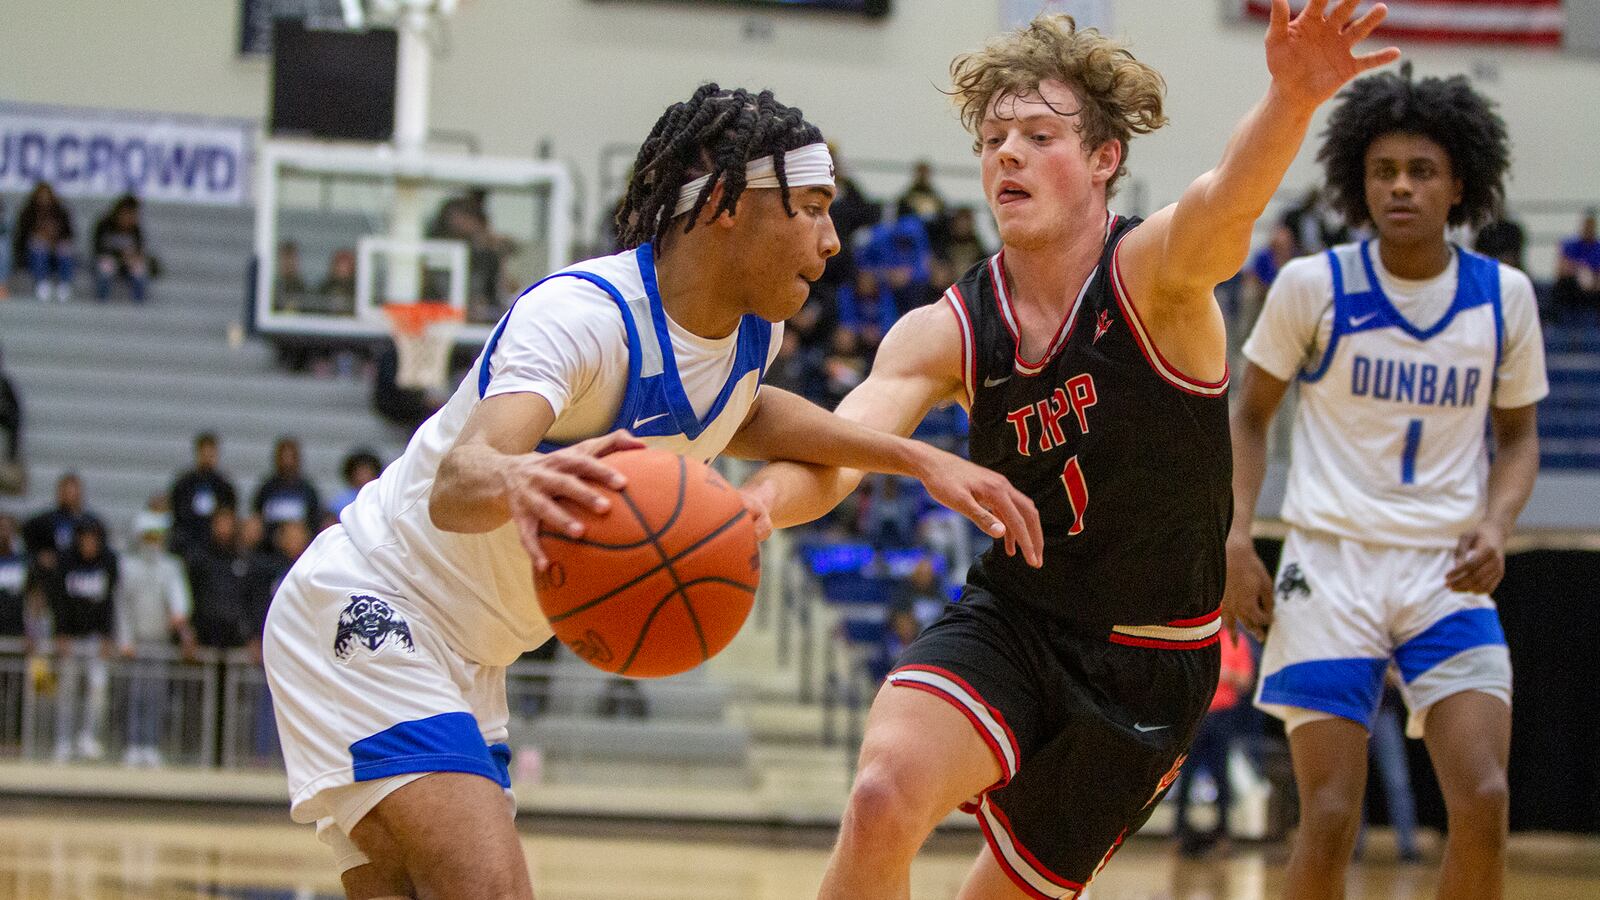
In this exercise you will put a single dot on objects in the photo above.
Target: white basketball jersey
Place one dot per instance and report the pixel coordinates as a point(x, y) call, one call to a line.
point(1389, 439)
point(479, 587)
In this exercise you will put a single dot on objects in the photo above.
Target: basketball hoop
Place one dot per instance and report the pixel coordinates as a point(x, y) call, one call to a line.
point(423, 334)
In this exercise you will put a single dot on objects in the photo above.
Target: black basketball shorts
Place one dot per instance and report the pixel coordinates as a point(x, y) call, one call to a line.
point(1089, 730)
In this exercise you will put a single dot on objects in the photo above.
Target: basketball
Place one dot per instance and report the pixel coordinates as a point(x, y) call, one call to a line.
point(661, 581)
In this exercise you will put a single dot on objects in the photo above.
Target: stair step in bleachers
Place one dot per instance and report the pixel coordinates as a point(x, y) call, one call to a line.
point(117, 391)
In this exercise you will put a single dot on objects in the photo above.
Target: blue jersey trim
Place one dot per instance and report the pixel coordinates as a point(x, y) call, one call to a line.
point(1349, 688)
point(1453, 634)
point(448, 742)
point(1477, 284)
point(1338, 319)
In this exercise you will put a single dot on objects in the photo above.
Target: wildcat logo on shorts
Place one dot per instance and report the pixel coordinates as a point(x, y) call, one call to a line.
point(369, 623)
point(1293, 582)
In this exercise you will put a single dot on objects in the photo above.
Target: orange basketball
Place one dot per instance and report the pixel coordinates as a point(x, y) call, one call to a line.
point(661, 581)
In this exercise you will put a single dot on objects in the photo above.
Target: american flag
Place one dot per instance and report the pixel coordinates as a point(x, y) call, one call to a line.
point(1536, 23)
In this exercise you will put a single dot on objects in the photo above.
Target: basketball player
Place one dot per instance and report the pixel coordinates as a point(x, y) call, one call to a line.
point(1402, 347)
point(1056, 704)
point(386, 644)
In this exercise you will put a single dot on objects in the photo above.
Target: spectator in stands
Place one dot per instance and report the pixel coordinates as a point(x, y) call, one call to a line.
point(852, 209)
point(891, 515)
point(266, 574)
point(466, 218)
point(13, 580)
point(287, 495)
point(899, 258)
point(1315, 224)
point(964, 248)
point(1502, 239)
point(359, 468)
point(44, 238)
point(217, 567)
point(198, 493)
point(923, 594)
point(11, 424)
point(290, 284)
point(843, 368)
point(119, 250)
point(1209, 752)
point(921, 198)
point(82, 602)
point(338, 289)
point(1578, 269)
point(900, 629)
point(152, 609)
point(1258, 275)
point(48, 535)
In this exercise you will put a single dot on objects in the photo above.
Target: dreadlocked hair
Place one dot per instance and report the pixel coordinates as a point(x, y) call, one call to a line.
point(1446, 111)
point(716, 132)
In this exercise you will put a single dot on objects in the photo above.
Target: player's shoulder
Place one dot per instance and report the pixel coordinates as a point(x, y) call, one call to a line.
point(1515, 285)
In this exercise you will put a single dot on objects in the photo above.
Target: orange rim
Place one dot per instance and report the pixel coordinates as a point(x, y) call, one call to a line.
point(414, 318)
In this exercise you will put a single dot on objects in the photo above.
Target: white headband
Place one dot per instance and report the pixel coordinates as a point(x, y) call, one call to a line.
point(807, 166)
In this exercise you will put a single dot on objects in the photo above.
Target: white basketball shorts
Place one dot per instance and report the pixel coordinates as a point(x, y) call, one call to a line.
point(1344, 609)
point(368, 695)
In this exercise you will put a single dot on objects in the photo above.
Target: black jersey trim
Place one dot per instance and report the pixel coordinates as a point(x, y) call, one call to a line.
point(969, 350)
point(1152, 353)
point(997, 275)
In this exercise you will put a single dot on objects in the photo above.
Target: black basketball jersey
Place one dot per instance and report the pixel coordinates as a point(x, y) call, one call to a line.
point(1128, 461)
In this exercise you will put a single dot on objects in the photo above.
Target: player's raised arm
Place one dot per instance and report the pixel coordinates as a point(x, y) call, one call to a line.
point(917, 366)
point(492, 475)
point(1183, 251)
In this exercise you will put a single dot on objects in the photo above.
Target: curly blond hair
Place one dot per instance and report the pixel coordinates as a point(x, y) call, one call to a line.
point(1121, 96)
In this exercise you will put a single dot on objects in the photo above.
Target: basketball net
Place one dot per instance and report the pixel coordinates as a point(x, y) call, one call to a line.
point(424, 334)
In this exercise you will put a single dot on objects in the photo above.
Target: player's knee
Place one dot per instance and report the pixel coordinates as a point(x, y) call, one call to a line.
point(886, 808)
point(1331, 814)
point(1483, 805)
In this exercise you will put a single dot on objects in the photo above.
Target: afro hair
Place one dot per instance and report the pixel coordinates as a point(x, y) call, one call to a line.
point(1447, 111)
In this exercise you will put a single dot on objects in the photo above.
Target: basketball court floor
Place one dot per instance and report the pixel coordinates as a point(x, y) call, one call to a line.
point(58, 850)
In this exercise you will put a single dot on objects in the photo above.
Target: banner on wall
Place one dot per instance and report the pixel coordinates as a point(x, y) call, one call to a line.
point(1536, 23)
point(161, 157)
point(1087, 13)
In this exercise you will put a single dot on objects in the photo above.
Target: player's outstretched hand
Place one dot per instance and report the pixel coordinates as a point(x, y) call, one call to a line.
point(540, 481)
point(1312, 55)
point(1480, 561)
point(988, 499)
point(1247, 600)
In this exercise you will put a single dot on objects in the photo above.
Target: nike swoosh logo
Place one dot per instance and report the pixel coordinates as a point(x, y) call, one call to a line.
point(1357, 322)
point(1146, 729)
point(991, 382)
point(640, 423)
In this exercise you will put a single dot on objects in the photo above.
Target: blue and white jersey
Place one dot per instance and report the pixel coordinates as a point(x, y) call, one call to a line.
point(593, 340)
point(1396, 379)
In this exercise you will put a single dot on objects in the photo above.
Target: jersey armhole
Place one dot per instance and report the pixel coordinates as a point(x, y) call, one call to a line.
point(969, 357)
point(1148, 348)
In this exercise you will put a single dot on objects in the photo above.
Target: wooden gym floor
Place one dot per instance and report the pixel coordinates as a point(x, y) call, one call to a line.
point(53, 850)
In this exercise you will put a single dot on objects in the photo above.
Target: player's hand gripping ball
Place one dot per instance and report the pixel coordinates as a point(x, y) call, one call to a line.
point(663, 579)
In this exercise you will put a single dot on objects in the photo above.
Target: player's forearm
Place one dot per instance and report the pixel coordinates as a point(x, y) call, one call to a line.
point(469, 491)
point(1511, 477)
point(796, 493)
point(1249, 470)
point(786, 427)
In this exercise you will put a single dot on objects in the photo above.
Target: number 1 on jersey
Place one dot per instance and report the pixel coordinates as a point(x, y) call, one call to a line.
point(1408, 458)
point(1077, 493)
